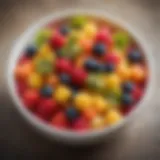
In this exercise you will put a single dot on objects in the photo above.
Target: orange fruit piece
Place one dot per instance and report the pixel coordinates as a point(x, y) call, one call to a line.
point(80, 61)
point(123, 71)
point(53, 80)
point(22, 71)
point(138, 73)
point(86, 45)
point(89, 113)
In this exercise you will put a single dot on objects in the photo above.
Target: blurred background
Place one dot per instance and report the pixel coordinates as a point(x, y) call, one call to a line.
point(138, 140)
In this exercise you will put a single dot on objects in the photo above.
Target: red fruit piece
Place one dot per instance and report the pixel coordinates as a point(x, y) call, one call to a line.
point(112, 58)
point(81, 124)
point(58, 41)
point(46, 108)
point(30, 98)
point(104, 35)
point(21, 87)
point(59, 120)
point(79, 76)
point(137, 93)
point(127, 110)
point(63, 65)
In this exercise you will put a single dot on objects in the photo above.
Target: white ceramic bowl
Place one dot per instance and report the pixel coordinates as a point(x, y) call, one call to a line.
point(68, 136)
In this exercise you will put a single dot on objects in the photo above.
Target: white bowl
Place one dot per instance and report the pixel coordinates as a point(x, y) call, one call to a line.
point(69, 136)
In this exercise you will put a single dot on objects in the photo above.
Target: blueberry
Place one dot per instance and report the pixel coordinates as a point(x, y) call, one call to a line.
point(109, 67)
point(65, 78)
point(64, 30)
point(91, 65)
point(126, 99)
point(99, 49)
point(31, 51)
point(46, 91)
point(135, 56)
point(72, 113)
point(127, 87)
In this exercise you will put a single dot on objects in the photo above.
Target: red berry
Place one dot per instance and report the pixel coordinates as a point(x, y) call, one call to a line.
point(57, 41)
point(63, 65)
point(79, 76)
point(59, 120)
point(21, 87)
point(104, 35)
point(137, 93)
point(127, 110)
point(46, 107)
point(112, 58)
point(81, 124)
point(30, 98)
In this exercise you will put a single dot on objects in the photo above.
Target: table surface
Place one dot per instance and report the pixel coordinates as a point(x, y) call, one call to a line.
point(138, 140)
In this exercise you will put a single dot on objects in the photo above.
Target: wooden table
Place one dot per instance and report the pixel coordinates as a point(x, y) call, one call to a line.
point(138, 140)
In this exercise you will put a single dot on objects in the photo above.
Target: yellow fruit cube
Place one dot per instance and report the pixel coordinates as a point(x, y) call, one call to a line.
point(46, 52)
point(90, 29)
point(112, 117)
point(100, 103)
point(97, 122)
point(83, 101)
point(124, 72)
point(62, 94)
point(112, 81)
point(44, 49)
point(35, 80)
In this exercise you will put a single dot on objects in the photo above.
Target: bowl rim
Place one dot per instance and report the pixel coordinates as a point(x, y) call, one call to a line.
point(66, 134)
